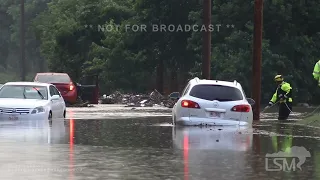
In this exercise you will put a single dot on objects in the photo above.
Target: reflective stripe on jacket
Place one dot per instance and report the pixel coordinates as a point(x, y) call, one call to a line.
point(283, 89)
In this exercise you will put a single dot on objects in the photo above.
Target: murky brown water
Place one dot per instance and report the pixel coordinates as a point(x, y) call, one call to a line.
point(150, 148)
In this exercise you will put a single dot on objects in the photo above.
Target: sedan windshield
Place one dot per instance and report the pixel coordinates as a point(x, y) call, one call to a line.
point(24, 92)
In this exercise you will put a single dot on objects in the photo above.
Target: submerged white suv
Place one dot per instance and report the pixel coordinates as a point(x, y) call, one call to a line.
point(212, 102)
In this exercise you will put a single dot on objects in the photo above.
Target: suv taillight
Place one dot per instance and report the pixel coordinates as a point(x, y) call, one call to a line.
point(189, 104)
point(241, 108)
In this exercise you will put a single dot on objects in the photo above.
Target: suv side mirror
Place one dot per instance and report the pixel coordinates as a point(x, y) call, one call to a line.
point(174, 95)
point(251, 101)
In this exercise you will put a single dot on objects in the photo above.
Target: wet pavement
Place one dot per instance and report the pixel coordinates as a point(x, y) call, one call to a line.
point(125, 143)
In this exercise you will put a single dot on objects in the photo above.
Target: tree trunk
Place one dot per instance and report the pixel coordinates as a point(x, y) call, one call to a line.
point(160, 72)
point(174, 86)
point(41, 65)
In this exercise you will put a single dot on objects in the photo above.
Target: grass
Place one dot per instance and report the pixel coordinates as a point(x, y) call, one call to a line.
point(313, 120)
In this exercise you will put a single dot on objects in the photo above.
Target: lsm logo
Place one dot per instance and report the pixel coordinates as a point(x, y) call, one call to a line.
point(280, 161)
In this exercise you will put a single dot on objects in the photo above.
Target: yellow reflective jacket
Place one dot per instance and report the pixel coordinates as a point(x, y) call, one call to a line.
point(316, 72)
point(283, 89)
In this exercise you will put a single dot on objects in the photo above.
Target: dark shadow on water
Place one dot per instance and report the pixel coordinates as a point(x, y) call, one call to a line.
point(123, 133)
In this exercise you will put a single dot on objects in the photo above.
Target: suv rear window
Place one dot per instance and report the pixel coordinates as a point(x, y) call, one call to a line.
point(63, 78)
point(216, 92)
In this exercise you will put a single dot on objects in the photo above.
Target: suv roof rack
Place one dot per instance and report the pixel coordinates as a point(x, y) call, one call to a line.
point(235, 82)
point(197, 79)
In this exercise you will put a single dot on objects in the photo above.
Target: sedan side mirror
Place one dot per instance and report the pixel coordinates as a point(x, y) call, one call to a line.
point(55, 97)
point(174, 95)
point(251, 101)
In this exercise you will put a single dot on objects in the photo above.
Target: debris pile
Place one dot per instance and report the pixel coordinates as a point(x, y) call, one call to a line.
point(138, 100)
point(80, 103)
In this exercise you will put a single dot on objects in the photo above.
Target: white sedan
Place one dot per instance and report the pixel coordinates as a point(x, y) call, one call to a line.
point(212, 102)
point(30, 101)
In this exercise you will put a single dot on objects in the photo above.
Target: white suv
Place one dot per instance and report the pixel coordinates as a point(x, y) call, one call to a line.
point(212, 102)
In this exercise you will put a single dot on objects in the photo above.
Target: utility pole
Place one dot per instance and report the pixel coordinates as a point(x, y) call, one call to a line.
point(257, 51)
point(206, 46)
point(22, 42)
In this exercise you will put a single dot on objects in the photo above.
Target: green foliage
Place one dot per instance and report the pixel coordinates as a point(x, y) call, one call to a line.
point(313, 120)
point(10, 35)
point(72, 37)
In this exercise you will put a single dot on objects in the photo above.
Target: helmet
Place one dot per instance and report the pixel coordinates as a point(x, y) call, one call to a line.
point(278, 78)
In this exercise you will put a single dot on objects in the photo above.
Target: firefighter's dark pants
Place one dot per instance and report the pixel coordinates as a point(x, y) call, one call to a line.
point(284, 111)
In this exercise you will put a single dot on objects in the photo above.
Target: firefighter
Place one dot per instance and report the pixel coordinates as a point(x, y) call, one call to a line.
point(283, 96)
point(316, 72)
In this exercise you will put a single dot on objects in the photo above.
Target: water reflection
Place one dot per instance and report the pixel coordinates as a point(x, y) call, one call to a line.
point(225, 138)
point(71, 153)
point(27, 149)
point(282, 137)
point(214, 149)
point(35, 131)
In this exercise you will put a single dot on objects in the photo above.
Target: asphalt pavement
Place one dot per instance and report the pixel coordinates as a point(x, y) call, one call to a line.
point(115, 142)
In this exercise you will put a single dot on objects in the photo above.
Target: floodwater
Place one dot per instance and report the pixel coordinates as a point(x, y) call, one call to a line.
point(139, 144)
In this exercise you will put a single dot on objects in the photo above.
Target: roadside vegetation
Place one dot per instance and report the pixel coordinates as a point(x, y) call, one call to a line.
point(312, 120)
point(68, 36)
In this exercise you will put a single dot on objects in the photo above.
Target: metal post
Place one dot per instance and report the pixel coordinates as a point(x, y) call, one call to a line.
point(206, 62)
point(257, 51)
point(22, 42)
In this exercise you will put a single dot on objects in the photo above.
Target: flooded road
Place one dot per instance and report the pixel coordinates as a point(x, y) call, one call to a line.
point(111, 144)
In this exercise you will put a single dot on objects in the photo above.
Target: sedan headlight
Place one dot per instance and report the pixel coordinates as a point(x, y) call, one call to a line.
point(38, 110)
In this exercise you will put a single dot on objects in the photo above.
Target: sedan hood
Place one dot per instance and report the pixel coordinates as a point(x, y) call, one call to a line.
point(21, 103)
